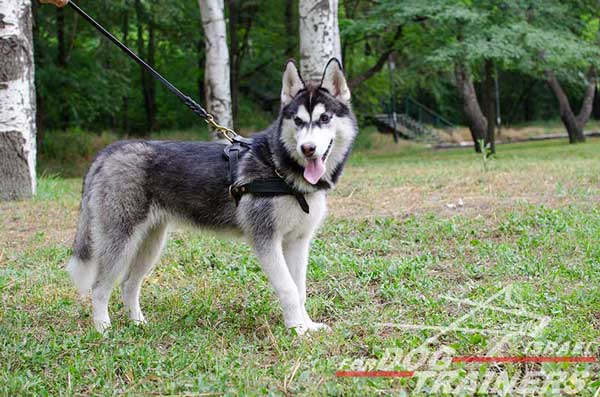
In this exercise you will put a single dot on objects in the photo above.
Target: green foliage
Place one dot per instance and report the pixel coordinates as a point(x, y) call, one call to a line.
point(522, 37)
point(69, 153)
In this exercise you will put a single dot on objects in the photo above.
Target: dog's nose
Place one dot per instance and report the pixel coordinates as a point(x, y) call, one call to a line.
point(308, 149)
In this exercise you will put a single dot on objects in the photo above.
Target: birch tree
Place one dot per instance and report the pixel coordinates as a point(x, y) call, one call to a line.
point(17, 101)
point(216, 69)
point(319, 36)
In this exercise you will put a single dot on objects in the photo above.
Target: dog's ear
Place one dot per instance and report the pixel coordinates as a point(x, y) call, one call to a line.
point(334, 81)
point(292, 82)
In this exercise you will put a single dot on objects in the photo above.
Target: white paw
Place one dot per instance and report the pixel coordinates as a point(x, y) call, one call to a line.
point(312, 326)
point(102, 326)
point(139, 322)
point(299, 329)
point(138, 318)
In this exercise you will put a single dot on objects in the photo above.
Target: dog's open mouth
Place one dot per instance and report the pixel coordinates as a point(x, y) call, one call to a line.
point(315, 168)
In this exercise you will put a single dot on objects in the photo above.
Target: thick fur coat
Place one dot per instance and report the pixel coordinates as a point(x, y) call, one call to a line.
point(134, 190)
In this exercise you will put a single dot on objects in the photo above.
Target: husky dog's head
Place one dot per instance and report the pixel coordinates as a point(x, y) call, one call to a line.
point(317, 124)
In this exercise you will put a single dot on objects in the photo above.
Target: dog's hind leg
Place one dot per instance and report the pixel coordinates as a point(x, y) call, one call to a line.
point(296, 251)
point(114, 257)
point(146, 258)
point(102, 289)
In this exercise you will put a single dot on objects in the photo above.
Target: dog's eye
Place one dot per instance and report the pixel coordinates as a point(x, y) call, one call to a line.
point(298, 121)
point(325, 118)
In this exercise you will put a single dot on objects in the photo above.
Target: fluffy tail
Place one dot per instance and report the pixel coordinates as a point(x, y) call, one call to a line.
point(83, 273)
point(82, 267)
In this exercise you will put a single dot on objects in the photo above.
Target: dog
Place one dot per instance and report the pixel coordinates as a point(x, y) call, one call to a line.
point(134, 190)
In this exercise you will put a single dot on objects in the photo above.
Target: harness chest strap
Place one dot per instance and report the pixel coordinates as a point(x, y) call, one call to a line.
point(272, 186)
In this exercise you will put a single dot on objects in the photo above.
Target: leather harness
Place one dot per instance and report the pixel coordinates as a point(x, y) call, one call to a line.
point(266, 187)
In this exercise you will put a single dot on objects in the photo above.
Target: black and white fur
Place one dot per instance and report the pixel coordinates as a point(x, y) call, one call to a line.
point(134, 190)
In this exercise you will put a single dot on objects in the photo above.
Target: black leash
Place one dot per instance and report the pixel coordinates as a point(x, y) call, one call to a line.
point(195, 107)
point(275, 186)
point(189, 102)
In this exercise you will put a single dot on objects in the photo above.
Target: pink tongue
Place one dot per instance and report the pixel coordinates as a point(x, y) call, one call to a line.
point(314, 170)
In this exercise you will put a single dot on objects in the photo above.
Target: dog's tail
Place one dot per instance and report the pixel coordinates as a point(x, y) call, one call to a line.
point(83, 274)
point(82, 267)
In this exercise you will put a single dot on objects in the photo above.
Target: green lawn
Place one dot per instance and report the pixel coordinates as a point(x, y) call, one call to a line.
point(408, 228)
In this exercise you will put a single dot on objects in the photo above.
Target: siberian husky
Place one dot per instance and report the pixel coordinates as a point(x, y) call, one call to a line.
point(134, 190)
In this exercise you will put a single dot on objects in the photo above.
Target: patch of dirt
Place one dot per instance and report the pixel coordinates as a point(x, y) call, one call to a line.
point(30, 224)
point(463, 192)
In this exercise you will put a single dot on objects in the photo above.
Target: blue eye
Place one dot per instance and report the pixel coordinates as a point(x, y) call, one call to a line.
point(298, 121)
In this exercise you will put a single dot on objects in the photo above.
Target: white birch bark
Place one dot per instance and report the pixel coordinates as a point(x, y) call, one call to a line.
point(17, 101)
point(319, 36)
point(216, 69)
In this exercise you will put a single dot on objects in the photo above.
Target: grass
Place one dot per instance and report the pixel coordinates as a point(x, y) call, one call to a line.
point(407, 226)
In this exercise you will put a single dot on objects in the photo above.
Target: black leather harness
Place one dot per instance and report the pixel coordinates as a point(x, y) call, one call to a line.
point(268, 187)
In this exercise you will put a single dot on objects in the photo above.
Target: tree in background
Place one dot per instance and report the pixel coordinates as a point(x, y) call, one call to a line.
point(62, 58)
point(319, 36)
point(569, 53)
point(469, 40)
point(17, 101)
point(145, 23)
point(422, 37)
point(242, 15)
point(574, 123)
point(216, 69)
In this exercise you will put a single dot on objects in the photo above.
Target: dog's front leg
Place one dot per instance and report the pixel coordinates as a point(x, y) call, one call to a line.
point(296, 252)
point(270, 256)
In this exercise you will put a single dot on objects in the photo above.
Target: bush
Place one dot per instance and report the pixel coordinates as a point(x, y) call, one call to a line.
point(69, 153)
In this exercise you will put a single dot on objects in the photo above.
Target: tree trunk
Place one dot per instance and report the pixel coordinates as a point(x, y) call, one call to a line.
point(319, 36)
point(201, 61)
point(148, 83)
point(125, 122)
point(234, 51)
point(573, 124)
point(489, 108)
point(151, 82)
point(596, 107)
point(17, 101)
point(39, 57)
point(475, 119)
point(566, 113)
point(61, 62)
point(216, 69)
point(290, 32)
point(588, 101)
point(139, 13)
